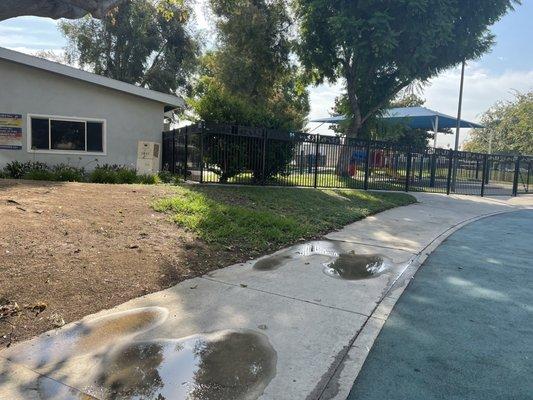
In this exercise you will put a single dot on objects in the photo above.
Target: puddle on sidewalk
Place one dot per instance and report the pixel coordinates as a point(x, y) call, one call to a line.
point(222, 365)
point(104, 358)
point(328, 248)
point(86, 336)
point(352, 266)
point(344, 265)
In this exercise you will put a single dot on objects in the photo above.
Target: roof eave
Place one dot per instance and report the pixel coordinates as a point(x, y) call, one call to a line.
point(167, 99)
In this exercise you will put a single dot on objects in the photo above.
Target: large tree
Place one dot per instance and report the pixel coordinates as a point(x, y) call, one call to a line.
point(71, 9)
point(250, 79)
point(380, 47)
point(508, 128)
point(143, 42)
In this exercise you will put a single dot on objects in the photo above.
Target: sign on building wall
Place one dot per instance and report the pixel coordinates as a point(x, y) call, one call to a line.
point(11, 131)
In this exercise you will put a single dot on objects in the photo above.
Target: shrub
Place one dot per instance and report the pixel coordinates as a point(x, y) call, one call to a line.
point(17, 169)
point(126, 175)
point(167, 177)
point(39, 175)
point(148, 179)
point(103, 174)
point(114, 174)
point(66, 173)
point(4, 174)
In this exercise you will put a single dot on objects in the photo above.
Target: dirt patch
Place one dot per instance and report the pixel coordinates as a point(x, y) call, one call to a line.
point(70, 249)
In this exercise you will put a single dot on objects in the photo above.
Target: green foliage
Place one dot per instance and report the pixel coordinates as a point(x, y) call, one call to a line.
point(67, 173)
point(113, 174)
point(39, 175)
point(17, 169)
point(168, 177)
point(508, 128)
point(379, 130)
point(139, 41)
point(148, 179)
point(250, 80)
point(259, 219)
point(380, 47)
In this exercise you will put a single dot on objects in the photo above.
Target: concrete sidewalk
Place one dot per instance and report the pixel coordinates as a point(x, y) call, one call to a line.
point(319, 329)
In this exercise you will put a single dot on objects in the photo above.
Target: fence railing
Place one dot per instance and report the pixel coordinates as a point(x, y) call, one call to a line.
point(215, 153)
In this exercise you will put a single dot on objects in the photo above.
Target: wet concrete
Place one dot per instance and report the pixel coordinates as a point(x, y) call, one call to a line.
point(227, 365)
point(86, 337)
point(236, 364)
point(329, 248)
point(352, 266)
point(344, 264)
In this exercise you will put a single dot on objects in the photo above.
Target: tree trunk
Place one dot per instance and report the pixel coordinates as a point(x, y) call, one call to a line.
point(343, 163)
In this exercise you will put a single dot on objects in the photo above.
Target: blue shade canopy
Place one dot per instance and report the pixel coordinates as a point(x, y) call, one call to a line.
point(414, 117)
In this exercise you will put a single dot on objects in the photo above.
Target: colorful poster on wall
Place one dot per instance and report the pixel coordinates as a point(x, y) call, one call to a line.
point(10, 131)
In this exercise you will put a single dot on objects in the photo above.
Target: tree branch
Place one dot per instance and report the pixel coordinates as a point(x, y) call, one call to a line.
point(71, 9)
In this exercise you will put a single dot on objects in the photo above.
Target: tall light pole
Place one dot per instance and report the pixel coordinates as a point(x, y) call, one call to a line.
point(458, 127)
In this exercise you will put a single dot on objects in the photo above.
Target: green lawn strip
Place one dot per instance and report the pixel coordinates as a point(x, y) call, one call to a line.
point(260, 218)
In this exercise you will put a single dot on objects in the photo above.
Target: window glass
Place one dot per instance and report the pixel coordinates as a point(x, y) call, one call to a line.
point(39, 134)
point(95, 136)
point(67, 135)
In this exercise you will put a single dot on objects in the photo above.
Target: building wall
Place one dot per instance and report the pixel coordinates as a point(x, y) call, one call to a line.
point(129, 119)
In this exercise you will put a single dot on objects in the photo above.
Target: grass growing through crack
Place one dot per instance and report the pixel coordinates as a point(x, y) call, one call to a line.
point(260, 219)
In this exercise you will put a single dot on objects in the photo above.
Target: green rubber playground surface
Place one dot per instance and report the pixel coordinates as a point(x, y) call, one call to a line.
point(463, 329)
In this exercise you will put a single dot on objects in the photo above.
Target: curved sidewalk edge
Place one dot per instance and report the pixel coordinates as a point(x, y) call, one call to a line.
point(347, 368)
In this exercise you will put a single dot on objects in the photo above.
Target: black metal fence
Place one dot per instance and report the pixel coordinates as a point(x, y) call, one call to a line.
point(214, 153)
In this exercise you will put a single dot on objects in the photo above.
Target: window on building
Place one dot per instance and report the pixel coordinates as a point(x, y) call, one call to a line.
point(61, 134)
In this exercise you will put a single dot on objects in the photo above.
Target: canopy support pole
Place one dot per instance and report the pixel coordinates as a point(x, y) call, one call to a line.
point(435, 130)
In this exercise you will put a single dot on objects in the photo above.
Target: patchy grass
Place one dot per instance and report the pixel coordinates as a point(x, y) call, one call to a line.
point(260, 219)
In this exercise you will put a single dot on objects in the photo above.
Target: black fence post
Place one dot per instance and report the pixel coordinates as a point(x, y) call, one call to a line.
point(263, 165)
point(316, 160)
point(450, 167)
point(528, 174)
point(202, 154)
point(186, 157)
point(515, 177)
point(173, 157)
point(484, 171)
point(433, 170)
point(408, 170)
point(421, 168)
point(367, 165)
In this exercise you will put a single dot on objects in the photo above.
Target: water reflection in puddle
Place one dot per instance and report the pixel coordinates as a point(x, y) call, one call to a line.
point(342, 264)
point(87, 336)
point(229, 365)
point(319, 247)
point(351, 266)
point(222, 365)
point(104, 358)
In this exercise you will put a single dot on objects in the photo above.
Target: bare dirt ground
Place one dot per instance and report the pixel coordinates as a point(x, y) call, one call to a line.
point(71, 249)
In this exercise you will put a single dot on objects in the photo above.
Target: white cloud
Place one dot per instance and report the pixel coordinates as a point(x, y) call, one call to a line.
point(481, 90)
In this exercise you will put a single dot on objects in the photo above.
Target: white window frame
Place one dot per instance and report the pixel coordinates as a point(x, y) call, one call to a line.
point(63, 118)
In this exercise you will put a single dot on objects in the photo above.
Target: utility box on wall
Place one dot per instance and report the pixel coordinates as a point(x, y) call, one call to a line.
point(148, 157)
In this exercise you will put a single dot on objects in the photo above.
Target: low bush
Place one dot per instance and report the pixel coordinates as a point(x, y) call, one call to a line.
point(126, 175)
point(39, 175)
point(148, 179)
point(105, 173)
point(17, 169)
point(67, 173)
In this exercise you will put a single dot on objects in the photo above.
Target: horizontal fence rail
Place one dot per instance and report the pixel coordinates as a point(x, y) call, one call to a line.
point(217, 153)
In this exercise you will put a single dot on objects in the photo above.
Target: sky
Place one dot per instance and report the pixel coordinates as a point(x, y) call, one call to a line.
point(494, 77)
